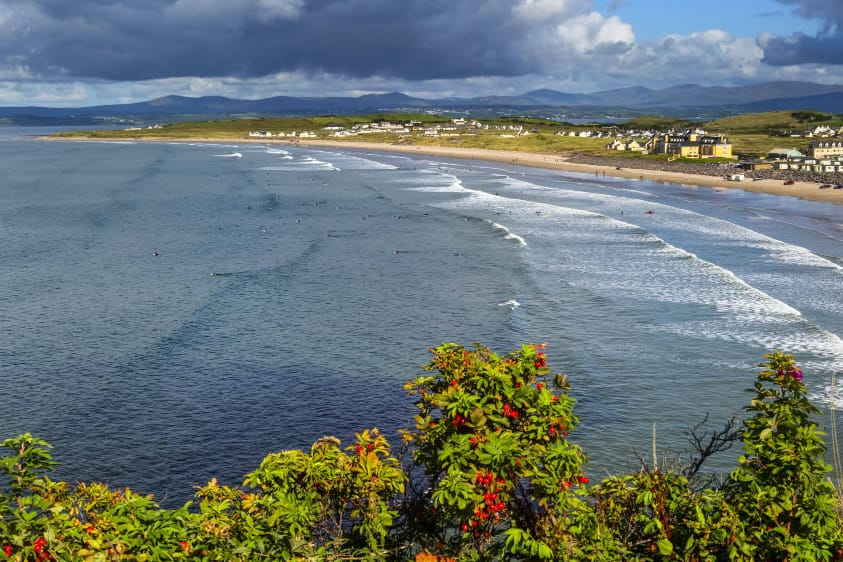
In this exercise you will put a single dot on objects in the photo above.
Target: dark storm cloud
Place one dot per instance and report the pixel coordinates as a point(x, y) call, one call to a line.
point(824, 48)
point(146, 39)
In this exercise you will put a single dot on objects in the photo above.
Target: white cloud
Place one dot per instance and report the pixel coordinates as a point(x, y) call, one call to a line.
point(538, 11)
point(590, 32)
point(49, 94)
point(271, 10)
point(713, 55)
point(467, 48)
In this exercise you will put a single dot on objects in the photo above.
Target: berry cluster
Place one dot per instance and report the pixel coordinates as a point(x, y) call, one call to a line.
point(39, 546)
point(489, 511)
point(566, 484)
point(458, 421)
point(359, 449)
point(556, 431)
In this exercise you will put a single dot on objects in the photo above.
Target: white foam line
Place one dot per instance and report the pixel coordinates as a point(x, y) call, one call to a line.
point(780, 306)
point(204, 144)
point(777, 305)
point(368, 162)
point(509, 234)
point(793, 253)
point(456, 186)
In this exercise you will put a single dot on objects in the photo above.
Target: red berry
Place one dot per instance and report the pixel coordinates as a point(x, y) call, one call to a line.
point(7, 549)
point(38, 545)
point(539, 386)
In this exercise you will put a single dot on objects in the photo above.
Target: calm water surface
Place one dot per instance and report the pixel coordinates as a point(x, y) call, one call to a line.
point(174, 312)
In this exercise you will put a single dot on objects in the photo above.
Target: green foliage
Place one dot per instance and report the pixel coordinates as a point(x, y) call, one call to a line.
point(780, 490)
point(657, 515)
point(492, 476)
point(491, 435)
point(811, 116)
point(329, 501)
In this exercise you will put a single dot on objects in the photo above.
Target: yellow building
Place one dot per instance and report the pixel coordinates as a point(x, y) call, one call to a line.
point(822, 150)
point(692, 145)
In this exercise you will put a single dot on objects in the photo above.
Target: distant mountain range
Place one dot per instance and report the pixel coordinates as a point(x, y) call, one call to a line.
point(688, 100)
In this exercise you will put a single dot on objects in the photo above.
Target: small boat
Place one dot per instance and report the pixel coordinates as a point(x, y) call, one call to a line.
point(789, 182)
point(838, 186)
point(649, 212)
point(825, 186)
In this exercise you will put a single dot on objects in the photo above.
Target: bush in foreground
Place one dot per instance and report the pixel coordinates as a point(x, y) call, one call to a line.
point(489, 474)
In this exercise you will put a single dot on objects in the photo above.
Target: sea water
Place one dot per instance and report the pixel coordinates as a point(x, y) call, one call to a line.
point(173, 312)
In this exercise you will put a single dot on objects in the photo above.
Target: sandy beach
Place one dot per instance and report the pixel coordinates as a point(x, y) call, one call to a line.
point(804, 190)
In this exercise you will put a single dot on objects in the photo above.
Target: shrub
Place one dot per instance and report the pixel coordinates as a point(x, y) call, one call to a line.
point(492, 475)
point(491, 435)
point(786, 504)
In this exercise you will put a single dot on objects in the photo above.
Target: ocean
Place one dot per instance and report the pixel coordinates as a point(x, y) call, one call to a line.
point(173, 312)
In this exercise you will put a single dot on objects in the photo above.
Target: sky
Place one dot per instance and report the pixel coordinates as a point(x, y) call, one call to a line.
point(71, 53)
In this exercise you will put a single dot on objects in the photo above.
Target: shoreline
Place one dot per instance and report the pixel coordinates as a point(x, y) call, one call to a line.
point(800, 189)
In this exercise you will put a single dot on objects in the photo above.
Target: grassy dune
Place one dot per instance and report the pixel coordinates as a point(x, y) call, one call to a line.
point(751, 134)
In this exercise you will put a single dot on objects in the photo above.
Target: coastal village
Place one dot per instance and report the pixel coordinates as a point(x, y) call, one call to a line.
point(820, 162)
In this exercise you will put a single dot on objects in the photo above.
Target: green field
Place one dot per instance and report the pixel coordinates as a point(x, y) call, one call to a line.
point(752, 135)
